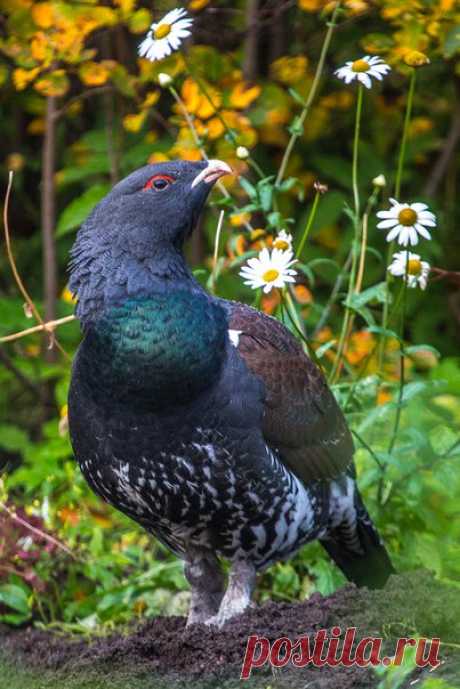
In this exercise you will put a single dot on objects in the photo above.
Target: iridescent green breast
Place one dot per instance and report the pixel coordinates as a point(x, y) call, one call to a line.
point(160, 350)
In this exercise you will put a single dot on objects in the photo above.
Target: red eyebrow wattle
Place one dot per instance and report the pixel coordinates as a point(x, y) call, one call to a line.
point(149, 183)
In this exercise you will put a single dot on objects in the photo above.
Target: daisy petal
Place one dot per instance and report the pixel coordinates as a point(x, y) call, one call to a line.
point(385, 224)
point(422, 231)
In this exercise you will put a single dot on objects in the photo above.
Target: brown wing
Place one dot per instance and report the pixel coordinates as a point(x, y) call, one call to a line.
point(302, 419)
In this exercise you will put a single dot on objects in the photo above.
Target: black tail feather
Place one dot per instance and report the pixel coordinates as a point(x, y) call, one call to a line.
point(358, 550)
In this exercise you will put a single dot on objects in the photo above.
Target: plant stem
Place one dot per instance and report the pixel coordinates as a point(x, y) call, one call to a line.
point(309, 223)
point(48, 215)
point(394, 434)
point(286, 300)
point(355, 246)
point(333, 296)
point(402, 150)
point(314, 88)
point(397, 191)
point(216, 251)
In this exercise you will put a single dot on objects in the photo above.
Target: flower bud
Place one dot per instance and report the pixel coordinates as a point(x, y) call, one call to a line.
point(414, 58)
point(320, 188)
point(164, 79)
point(242, 152)
point(379, 181)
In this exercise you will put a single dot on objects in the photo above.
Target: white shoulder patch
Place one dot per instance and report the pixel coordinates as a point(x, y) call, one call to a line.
point(234, 336)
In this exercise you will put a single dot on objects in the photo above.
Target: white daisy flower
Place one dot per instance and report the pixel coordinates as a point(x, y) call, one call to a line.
point(283, 241)
point(269, 269)
point(407, 221)
point(166, 35)
point(363, 70)
point(417, 270)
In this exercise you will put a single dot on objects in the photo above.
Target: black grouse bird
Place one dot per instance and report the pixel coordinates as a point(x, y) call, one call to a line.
point(200, 418)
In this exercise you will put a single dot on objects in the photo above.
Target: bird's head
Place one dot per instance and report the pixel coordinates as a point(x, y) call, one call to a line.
point(137, 231)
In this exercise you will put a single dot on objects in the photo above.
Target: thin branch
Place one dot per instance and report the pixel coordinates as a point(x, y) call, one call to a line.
point(18, 520)
point(48, 211)
point(49, 327)
point(81, 96)
point(14, 269)
point(369, 449)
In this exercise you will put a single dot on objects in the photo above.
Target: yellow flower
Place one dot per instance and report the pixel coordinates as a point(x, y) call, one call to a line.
point(215, 128)
point(133, 123)
point(242, 95)
point(414, 58)
point(360, 345)
point(15, 162)
point(93, 73)
point(53, 84)
point(420, 125)
point(196, 5)
point(158, 158)
point(43, 14)
point(383, 396)
point(312, 5)
point(303, 294)
point(36, 126)
point(67, 296)
point(23, 77)
point(238, 219)
point(151, 99)
point(289, 70)
point(196, 102)
point(39, 47)
point(126, 6)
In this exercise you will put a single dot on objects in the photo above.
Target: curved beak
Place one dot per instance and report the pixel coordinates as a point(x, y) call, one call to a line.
point(214, 170)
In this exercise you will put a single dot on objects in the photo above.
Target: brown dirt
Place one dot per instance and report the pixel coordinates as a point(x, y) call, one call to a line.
point(162, 648)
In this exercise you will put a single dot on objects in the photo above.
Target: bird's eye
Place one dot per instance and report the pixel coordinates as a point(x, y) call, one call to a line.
point(158, 182)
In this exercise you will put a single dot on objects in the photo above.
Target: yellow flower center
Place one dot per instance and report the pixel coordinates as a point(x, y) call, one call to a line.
point(281, 244)
point(162, 31)
point(360, 66)
point(414, 266)
point(270, 275)
point(407, 217)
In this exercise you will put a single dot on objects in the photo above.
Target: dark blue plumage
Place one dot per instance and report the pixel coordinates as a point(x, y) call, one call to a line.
point(200, 418)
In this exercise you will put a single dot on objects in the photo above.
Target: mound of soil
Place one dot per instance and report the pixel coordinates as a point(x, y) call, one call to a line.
point(163, 653)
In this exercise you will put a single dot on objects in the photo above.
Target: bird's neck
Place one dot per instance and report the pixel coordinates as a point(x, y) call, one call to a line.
point(157, 350)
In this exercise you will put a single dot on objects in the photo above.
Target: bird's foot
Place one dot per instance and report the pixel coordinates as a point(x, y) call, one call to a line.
point(203, 607)
point(237, 597)
point(224, 615)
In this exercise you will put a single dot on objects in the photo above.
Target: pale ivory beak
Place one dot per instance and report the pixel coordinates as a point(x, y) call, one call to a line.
point(214, 171)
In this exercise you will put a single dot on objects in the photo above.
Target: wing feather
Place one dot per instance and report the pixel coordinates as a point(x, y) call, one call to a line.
point(302, 419)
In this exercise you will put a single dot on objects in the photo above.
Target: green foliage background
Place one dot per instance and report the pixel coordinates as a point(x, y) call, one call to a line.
point(71, 83)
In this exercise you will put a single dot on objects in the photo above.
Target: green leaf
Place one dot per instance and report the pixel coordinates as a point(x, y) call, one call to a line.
point(248, 187)
point(413, 349)
point(296, 96)
point(266, 196)
point(78, 210)
point(384, 331)
point(13, 438)
point(14, 597)
point(296, 128)
point(377, 293)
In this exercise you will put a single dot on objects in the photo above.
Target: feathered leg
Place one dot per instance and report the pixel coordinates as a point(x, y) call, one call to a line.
point(206, 580)
point(237, 598)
